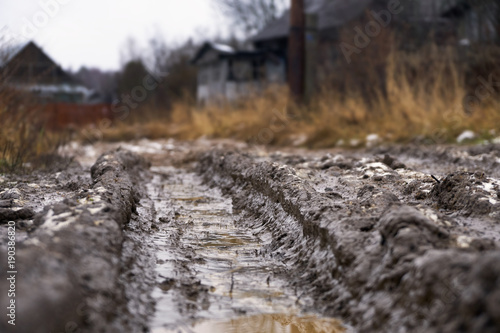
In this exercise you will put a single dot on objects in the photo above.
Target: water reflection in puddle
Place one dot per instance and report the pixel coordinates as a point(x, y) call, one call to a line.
point(267, 323)
point(211, 276)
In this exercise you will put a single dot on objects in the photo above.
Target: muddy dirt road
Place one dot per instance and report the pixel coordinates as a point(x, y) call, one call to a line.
point(210, 267)
point(217, 236)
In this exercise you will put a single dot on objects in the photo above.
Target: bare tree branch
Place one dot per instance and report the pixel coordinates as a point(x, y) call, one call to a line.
point(249, 16)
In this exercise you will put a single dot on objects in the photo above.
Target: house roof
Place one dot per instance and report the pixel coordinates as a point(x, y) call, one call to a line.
point(224, 51)
point(331, 13)
point(12, 53)
point(9, 51)
point(220, 48)
point(335, 13)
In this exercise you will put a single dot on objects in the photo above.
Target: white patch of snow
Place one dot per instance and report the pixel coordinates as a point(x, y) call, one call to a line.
point(100, 189)
point(463, 241)
point(52, 225)
point(376, 165)
point(97, 209)
point(372, 140)
point(491, 186)
point(466, 135)
point(299, 140)
point(354, 142)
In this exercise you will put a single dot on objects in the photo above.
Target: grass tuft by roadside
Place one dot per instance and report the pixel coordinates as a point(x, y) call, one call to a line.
point(25, 141)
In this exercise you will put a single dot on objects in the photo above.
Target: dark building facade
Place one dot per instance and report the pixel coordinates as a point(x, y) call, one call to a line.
point(28, 68)
point(338, 32)
point(226, 74)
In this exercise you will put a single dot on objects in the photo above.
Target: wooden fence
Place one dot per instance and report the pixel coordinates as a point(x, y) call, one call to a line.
point(62, 115)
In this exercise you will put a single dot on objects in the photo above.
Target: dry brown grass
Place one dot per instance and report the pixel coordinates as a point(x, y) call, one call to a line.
point(422, 99)
point(25, 143)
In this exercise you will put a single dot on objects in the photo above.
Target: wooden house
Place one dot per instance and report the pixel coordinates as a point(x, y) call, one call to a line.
point(226, 73)
point(28, 68)
point(63, 100)
point(334, 39)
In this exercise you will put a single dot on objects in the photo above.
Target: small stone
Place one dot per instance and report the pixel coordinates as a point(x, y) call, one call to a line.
point(326, 157)
point(327, 165)
point(393, 163)
point(7, 215)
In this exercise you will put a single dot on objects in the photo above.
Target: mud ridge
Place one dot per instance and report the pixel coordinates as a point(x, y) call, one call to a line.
point(395, 267)
point(75, 265)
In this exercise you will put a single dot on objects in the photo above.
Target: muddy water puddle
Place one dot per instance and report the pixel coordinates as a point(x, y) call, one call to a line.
point(266, 323)
point(210, 274)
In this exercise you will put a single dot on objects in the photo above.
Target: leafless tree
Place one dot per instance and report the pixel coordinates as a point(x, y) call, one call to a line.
point(249, 16)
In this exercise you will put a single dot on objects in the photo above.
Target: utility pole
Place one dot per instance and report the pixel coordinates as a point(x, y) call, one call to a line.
point(311, 37)
point(296, 51)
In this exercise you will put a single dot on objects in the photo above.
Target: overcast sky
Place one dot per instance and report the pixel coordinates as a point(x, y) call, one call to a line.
point(94, 33)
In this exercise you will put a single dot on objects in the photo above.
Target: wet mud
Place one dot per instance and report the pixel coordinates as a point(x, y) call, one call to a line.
point(219, 236)
point(269, 323)
point(212, 276)
point(383, 246)
point(74, 262)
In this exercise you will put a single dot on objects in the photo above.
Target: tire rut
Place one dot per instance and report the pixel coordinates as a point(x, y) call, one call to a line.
point(210, 267)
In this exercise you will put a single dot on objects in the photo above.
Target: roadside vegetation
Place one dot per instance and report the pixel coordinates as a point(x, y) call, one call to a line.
point(426, 97)
point(413, 86)
point(25, 141)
